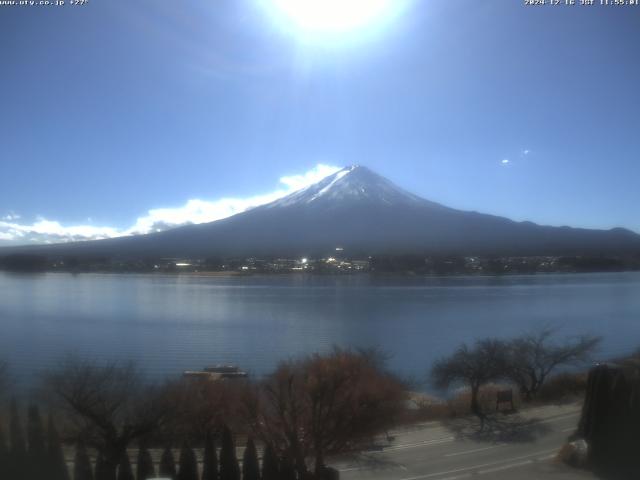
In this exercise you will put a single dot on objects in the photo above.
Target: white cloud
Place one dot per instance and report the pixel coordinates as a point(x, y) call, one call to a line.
point(526, 152)
point(193, 211)
point(47, 231)
point(505, 161)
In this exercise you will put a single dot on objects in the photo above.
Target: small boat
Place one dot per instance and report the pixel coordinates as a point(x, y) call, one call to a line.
point(216, 372)
point(226, 371)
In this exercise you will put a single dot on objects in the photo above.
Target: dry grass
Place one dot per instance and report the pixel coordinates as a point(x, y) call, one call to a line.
point(427, 408)
point(563, 388)
point(422, 407)
point(460, 403)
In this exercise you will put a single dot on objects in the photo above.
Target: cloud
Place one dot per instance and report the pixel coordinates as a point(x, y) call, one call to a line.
point(505, 161)
point(48, 231)
point(192, 212)
point(526, 152)
point(6, 236)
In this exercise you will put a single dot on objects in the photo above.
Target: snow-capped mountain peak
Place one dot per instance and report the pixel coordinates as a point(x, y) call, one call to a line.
point(363, 213)
point(353, 184)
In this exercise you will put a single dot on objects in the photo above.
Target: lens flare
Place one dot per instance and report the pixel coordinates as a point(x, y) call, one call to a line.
point(333, 16)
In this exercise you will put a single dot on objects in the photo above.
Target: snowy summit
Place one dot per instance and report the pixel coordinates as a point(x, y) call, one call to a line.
point(352, 184)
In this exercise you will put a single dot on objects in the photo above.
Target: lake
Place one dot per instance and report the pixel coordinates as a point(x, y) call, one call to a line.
point(171, 323)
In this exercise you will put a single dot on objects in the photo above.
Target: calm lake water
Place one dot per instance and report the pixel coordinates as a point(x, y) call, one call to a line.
point(173, 323)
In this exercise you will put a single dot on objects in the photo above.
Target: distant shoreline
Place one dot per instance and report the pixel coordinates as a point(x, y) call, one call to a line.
point(337, 263)
point(232, 274)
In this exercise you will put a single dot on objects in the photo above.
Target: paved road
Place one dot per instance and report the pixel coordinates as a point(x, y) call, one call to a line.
point(518, 446)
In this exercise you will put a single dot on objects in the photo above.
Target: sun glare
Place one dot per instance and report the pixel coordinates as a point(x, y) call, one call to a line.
point(333, 16)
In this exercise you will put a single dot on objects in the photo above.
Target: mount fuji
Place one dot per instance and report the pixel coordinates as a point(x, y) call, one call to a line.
point(365, 214)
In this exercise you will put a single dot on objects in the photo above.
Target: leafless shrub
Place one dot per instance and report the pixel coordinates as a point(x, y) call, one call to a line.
point(472, 367)
point(324, 404)
point(202, 407)
point(563, 387)
point(106, 406)
point(533, 357)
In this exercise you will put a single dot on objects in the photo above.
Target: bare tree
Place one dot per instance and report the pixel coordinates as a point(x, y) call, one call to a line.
point(534, 356)
point(107, 406)
point(324, 404)
point(474, 367)
point(201, 407)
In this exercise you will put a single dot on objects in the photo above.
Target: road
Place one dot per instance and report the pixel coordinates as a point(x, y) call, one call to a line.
point(519, 446)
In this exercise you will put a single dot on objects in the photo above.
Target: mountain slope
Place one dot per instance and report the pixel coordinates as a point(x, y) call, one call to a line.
point(364, 213)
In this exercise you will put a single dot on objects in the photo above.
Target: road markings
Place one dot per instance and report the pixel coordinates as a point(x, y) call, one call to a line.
point(441, 440)
point(529, 414)
point(474, 450)
point(514, 465)
point(476, 468)
point(426, 443)
point(350, 469)
point(458, 477)
point(353, 469)
point(558, 418)
point(466, 472)
point(505, 467)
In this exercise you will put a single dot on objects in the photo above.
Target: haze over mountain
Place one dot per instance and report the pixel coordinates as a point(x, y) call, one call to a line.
point(365, 214)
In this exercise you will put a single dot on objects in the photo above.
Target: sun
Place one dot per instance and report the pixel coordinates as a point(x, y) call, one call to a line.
point(333, 16)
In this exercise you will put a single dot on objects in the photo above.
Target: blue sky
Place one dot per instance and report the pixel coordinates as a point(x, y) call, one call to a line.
point(115, 115)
